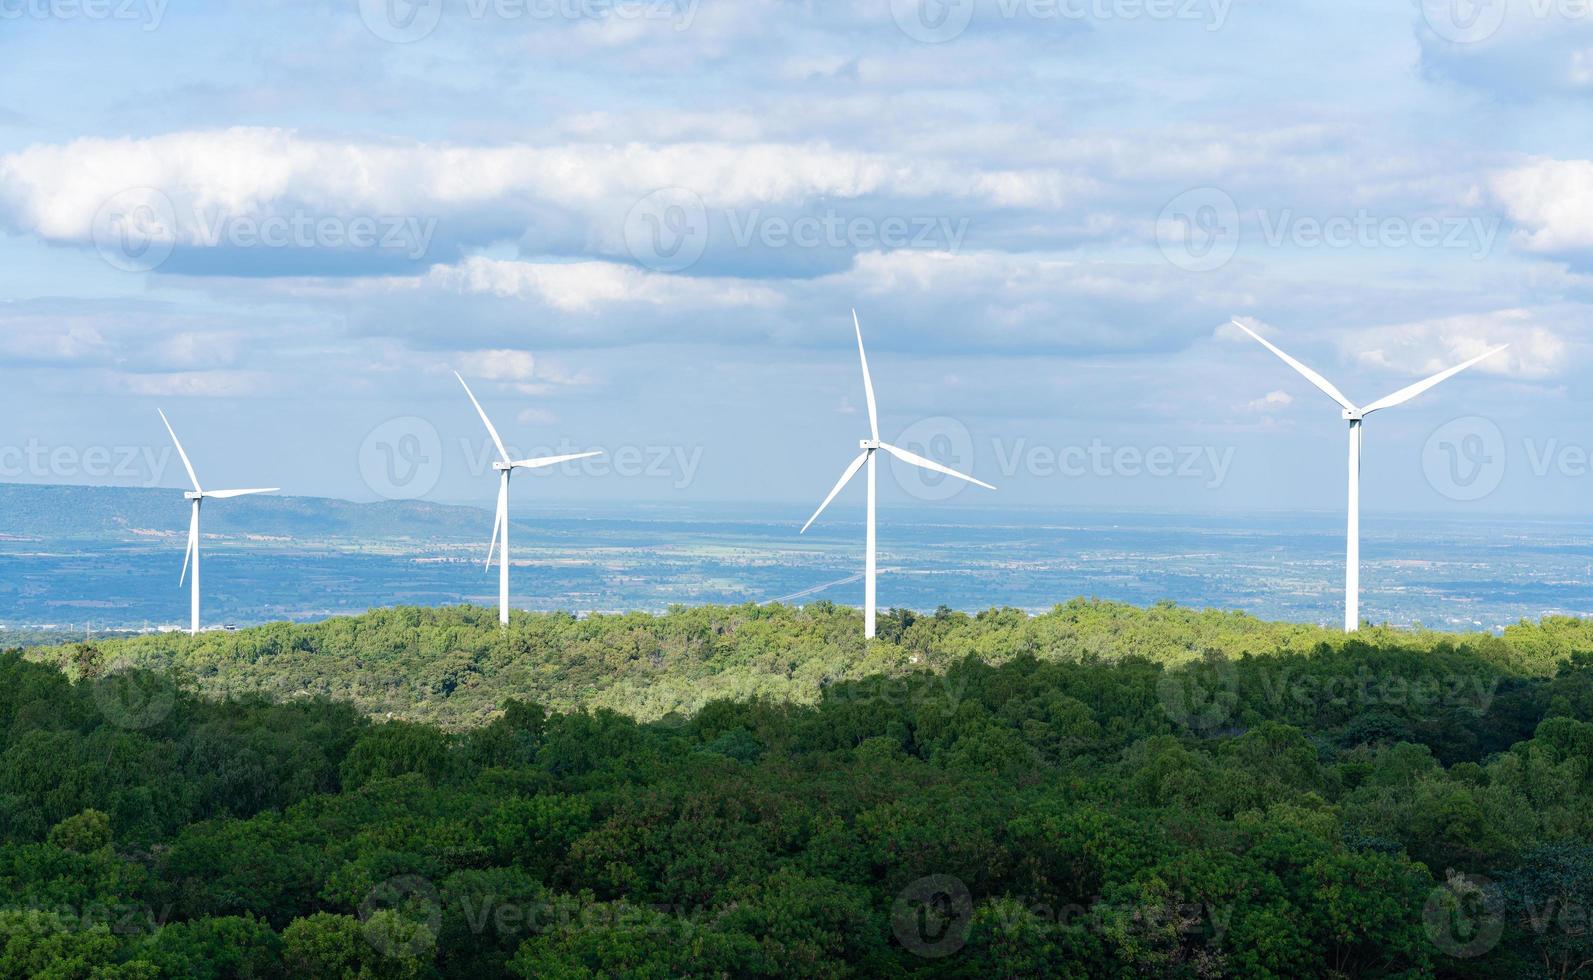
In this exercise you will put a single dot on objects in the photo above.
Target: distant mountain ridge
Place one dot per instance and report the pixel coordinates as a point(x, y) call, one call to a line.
point(51, 511)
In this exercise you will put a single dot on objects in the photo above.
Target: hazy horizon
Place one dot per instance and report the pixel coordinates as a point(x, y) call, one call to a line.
point(802, 508)
point(113, 559)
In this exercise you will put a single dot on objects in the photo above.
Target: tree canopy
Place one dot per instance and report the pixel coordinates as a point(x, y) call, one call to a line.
point(1099, 792)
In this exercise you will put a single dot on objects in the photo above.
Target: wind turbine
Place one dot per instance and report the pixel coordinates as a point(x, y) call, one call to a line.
point(198, 496)
point(870, 446)
point(1354, 416)
point(500, 524)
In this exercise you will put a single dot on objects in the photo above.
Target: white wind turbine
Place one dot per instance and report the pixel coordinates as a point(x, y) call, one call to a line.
point(870, 446)
point(500, 524)
point(198, 496)
point(1354, 416)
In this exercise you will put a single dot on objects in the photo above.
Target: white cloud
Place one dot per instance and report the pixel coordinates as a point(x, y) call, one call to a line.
point(55, 190)
point(1551, 203)
point(136, 336)
point(989, 301)
point(1429, 346)
point(1521, 49)
point(26, 339)
point(1006, 187)
point(203, 384)
point(585, 287)
point(1582, 68)
point(498, 365)
point(536, 416)
point(551, 375)
point(1271, 401)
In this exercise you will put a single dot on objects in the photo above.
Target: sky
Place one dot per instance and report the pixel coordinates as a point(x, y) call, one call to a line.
point(641, 226)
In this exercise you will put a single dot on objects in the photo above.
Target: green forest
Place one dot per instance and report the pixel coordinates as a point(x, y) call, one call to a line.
point(456, 667)
point(1099, 791)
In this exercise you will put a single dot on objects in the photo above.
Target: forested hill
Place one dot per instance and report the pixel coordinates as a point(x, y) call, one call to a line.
point(456, 666)
point(1100, 792)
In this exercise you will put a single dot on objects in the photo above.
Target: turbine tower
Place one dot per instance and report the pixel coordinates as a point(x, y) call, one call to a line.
point(869, 447)
point(500, 524)
point(1354, 416)
point(198, 496)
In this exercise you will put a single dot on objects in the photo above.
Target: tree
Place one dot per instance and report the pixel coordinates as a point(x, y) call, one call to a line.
point(341, 947)
point(1549, 899)
point(220, 948)
point(86, 832)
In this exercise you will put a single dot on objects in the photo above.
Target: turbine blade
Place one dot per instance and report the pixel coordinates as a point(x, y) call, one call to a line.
point(851, 471)
point(498, 520)
point(531, 464)
point(1322, 383)
point(1411, 391)
point(930, 464)
point(186, 465)
point(241, 493)
point(868, 383)
point(483, 413)
point(193, 542)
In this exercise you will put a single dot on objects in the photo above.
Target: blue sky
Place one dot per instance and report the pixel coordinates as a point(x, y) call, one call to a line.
point(641, 226)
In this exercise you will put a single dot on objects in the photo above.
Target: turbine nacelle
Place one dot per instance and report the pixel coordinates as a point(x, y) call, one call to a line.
point(1352, 415)
point(541, 461)
point(193, 495)
point(869, 444)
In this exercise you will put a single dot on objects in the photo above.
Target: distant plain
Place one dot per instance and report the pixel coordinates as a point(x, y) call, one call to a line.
point(78, 558)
